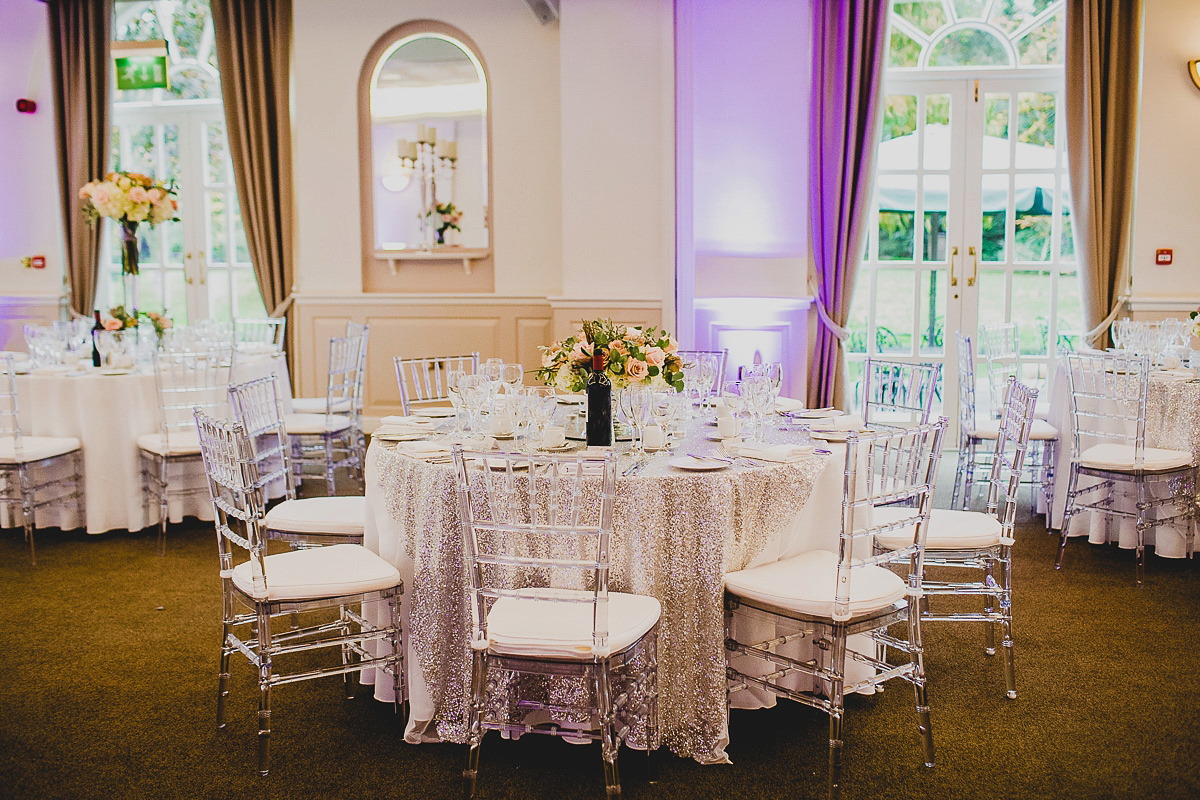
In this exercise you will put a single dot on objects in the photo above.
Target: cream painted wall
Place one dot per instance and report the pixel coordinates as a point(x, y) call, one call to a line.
point(331, 42)
point(30, 219)
point(1167, 205)
point(618, 174)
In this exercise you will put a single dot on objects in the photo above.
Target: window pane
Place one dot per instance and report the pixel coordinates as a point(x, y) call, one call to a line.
point(1070, 311)
point(897, 149)
point(995, 121)
point(1035, 130)
point(248, 299)
point(241, 250)
point(1067, 246)
point(933, 299)
point(894, 310)
point(937, 131)
point(1041, 45)
point(216, 228)
point(969, 9)
point(1031, 309)
point(993, 288)
point(141, 150)
point(1034, 216)
point(220, 299)
point(187, 25)
point(994, 218)
point(927, 16)
point(903, 50)
point(896, 229)
point(937, 190)
point(170, 171)
point(216, 155)
point(968, 47)
point(150, 289)
point(1010, 16)
point(857, 321)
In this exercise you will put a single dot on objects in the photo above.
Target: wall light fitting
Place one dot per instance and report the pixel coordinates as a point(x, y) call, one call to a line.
point(1194, 71)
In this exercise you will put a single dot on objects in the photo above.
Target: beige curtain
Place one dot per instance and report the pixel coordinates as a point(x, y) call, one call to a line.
point(1103, 59)
point(254, 45)
point(79, 57)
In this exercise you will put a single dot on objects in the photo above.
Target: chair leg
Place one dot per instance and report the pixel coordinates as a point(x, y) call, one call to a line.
point(475, 721)
point(608, 729)
point(399, 677)
point(969, 479)
point(989, 608)
point(329, 479)
point(264, 691)
point(27, 510)
point(347, 656)
point(836, 675)
point(1071, 510)
point(163, 508)
point(959, 474)
point(223, 675)
point(1143, 522)
point(917, 655)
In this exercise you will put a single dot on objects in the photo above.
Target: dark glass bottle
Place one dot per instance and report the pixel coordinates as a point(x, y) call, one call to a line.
point(599, 404)
point(99, 326)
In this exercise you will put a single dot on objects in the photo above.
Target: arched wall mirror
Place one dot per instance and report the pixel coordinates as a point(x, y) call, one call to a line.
point(425, 148)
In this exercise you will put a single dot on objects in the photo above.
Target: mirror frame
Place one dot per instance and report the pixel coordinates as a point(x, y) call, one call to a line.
point(415, 270)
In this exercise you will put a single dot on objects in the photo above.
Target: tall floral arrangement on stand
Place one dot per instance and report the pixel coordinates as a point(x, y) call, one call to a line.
point(129, 198)
point(632, 355)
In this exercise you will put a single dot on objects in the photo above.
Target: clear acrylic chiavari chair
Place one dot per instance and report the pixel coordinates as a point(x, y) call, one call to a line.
point(259, 335)
point(305, 522)
point(330, 439)
point(899, 393)
point(327, 585)
point(35, 471)
point(1113, 472)
point(184, 380)
point(980, 542)
point(425, 381)
point(826, 597)
point(536, 532)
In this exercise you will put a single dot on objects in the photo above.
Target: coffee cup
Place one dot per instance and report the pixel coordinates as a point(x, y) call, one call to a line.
point(653, 437)
point(554, 436)
point(728, 427)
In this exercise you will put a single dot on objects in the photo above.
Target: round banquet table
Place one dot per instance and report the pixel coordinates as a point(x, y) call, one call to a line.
point(675, 535)
point(107, 413)
point(1172, 422)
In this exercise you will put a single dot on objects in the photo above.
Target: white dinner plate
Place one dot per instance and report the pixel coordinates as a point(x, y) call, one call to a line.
point(436, 413)
point(837, 436)
point(818, 414)
point(571, 399)
point(399, 437)
point(124, 371)
point(697, 464)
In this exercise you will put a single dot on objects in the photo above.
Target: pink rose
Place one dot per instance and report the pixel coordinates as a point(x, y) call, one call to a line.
point(636, 369)
point(580, 352)
point(165, 322)
point(112, 324)
point(137, 194)
point(154, 194)
point(672, 345)
point(655, 356)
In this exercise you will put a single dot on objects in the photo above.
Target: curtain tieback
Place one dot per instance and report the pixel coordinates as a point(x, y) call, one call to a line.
point(838, 331)
point(281, 309)
point(1094, 334)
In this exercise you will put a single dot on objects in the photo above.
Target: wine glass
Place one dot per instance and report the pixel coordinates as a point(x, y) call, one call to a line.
point(453, 378)
point(1120, 333)
point(635, 401)
point(757, 390)
point(708, 375)
point(475, 391)
point(512, 375)
point(542, 401)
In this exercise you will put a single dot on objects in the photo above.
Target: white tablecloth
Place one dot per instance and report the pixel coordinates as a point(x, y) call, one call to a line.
point(1172, 422)
point(675, 536)
point(107, 413)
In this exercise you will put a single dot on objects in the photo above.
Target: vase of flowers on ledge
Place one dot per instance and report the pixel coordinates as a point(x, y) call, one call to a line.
point(446, 217)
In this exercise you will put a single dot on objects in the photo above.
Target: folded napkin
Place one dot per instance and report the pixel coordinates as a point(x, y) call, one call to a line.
point(785, 404)
point(1177, 374)
point(426, 450)
point(784, 453)
point(847, 422)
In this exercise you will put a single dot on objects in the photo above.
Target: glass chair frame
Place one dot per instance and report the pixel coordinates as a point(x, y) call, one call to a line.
point(545, 521)
point(1108, 404)
point(899, 387)
point(424, 380)
point(336, 447)
point(25, 483)
point(890, 468)
point(236, 490)
point(260, 330)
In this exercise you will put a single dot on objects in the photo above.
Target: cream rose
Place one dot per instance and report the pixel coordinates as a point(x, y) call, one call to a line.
point(655, 356)
point(672, 345)
point(580, 352)
point(637, 370)
point(112, 324)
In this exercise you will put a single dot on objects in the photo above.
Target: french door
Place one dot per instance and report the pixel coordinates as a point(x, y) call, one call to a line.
point(198, 267)
point(969, 224)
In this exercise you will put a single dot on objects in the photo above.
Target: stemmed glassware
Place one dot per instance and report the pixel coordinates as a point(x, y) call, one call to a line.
point(636, 402)
point(757, 390)
point(734, 396)
point(453, 378)
point(542, 403)
point(708, 376)
point(512, 375)
point(475, 391)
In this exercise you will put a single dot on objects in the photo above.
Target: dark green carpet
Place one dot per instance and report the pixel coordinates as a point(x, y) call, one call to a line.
point(110, 654)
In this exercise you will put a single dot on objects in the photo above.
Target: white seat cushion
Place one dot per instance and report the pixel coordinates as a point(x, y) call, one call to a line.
point(339, 569)
point(537, 626)
point(302, 424)
point(179, 443)
point(316, 405)
point(336, 515)
point(1119, 458)
point(806, 584)
point(948, 529)
point(1040, 431)
point(35, 448)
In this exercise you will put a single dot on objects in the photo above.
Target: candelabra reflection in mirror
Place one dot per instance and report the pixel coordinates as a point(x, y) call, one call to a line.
point(426, 160)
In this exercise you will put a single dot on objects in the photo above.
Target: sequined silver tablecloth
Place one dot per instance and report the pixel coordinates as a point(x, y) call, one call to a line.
point(675, 535)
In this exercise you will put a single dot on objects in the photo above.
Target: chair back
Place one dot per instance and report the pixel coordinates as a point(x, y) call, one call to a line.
point(895, 469)
point(899, 392)
point(1008, 457)
point(10, 416)
point(257, 408)
point(1000, 346)
point(186, 380)
point(236, 492)
point(260, 334)
point(425, 380)
point(721, 355)
point(343, 390)
point(532, 524)
point(966, 387)
point(1108, 400)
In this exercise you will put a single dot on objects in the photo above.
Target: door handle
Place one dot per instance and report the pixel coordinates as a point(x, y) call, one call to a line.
point(187, 268)
point(974, 266)
point(953, 255)
point(202, 267)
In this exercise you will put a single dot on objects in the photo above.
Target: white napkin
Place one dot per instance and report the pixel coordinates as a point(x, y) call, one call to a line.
point(848, 422)
point(1177, 374)
point(410, 421)
point(425, 450)
point(785, 453)
point(784, 404)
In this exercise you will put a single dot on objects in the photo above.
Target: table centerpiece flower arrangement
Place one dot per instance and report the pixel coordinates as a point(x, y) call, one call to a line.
point(129, 198)
point(632, 355)
point(119, 319)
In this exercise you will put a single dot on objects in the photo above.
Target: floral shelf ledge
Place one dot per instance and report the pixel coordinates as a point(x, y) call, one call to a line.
point(448, 253)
